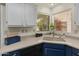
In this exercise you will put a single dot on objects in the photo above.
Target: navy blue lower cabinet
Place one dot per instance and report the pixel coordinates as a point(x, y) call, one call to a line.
point(75, 52)
point(45, 49)
point(68, 51)
point(53, 49)
point(71, 51)
point(54, 46)
point(35, 50)
point(13, 53)
point(54, 52)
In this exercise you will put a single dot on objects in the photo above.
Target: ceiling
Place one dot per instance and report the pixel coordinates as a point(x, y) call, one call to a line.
point(42, 4)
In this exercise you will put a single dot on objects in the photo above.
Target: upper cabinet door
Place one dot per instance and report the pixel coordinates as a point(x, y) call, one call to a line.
point(19, 14)
point(30, 14)
point(76, 14)
point(14, 13)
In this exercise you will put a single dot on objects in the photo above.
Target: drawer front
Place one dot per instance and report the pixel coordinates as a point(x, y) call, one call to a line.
point(55, 46)
point(11, 40)
point(53, 52)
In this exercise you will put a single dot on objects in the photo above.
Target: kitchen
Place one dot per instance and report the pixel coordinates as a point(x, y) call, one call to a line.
point(39, 29)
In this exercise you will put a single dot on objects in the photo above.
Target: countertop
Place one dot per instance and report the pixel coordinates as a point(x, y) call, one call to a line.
point(30, 41)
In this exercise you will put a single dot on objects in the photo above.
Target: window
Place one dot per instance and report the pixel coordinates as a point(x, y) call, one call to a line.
point(42, 22)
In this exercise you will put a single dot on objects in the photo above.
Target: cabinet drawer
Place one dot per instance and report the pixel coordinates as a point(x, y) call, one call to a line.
point(12, 40)
point(55, 46)
point(53, 52)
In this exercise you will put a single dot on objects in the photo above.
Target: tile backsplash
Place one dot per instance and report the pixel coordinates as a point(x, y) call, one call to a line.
point(16, 30)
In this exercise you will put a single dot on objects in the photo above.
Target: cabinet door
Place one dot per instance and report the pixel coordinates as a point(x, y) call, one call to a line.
point(30, 14)
point(75, 52)
point(68, 51)
point(32, 51)
point(53, 49)
point(14, 13)
point(76, 13)
point(53, 52)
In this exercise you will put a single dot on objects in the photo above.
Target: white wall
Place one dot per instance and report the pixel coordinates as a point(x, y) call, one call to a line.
point(0, 25)
point(76, 14)
point(76, 18)
point(3, 22)
point(61, 7)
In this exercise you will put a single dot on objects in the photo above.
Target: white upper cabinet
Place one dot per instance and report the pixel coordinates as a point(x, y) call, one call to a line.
point(14, 14)
point(19, 14)
point(76, 14)
point(30, 14)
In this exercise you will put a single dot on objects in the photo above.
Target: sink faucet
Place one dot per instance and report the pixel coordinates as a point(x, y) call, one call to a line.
point(61, 36)
point(53, 33)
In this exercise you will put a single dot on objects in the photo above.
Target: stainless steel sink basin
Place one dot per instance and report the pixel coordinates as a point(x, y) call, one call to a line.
point(54, 39)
